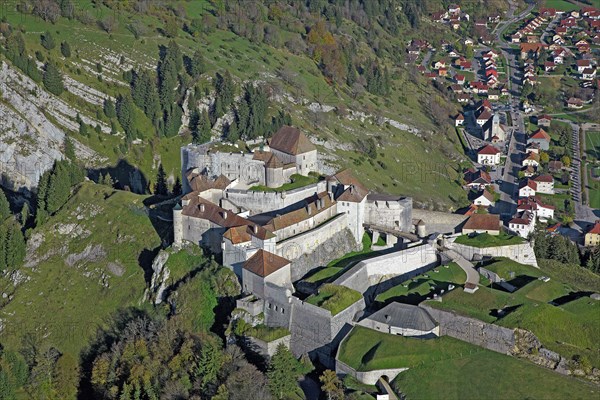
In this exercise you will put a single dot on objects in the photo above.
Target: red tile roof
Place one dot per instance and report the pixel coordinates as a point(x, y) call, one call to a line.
point(487, 222)
point(263, 263)
point(540, 134)
point(489, 149)
point(595, 229)
point(291, 141)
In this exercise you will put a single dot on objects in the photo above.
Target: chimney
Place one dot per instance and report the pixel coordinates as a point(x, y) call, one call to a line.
point(202, 207)
point(387, 318)
point(255, 229)
point(224, 214)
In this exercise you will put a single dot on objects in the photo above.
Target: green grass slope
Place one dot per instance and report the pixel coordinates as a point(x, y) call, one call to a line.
point(67, 294)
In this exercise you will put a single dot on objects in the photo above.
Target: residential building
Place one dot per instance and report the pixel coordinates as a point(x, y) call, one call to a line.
point(541, 138)
point(527, 188)
point(545, 184)
point(482, 223)
point(592, 237)
point(488, 155)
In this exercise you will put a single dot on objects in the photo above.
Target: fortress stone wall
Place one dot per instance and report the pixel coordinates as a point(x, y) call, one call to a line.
point(474, 331)
point(521, 253)
point(261, 202)
point(378, 274)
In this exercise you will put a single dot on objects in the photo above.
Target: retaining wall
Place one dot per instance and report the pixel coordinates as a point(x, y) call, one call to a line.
point(521, 253)
point(474, 331)
point(268, 349)
point(366, 377)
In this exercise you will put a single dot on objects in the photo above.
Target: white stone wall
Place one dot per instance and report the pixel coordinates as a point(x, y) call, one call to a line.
point(366, 377)
point(306, 243)
point(390, 214)
point(307, 162)
point(307, 224)
point(268, 349)
point(522, 253)
point(373, 273)
point(260, 202)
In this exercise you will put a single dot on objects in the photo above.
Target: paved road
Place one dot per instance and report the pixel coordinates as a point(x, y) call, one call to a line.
point(472, 274)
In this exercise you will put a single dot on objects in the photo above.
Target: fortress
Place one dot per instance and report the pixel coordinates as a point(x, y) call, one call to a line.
point(235, 207)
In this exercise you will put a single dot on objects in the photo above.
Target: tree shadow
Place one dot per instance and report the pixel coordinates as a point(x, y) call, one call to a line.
point(125, 176)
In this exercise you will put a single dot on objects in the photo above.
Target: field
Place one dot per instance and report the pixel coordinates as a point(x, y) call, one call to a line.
point(568, 327)
point(418, 288)
point(449, 366)
point(297, 181)
point(487, 240)
point(334, 298)
point(561, 5)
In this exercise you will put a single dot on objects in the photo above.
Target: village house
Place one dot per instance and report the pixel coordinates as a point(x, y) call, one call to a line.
point(460, 79)
point(545, 184)
point(549, 66)
point(532, 148)
point(544, 121)
point(588, 74)
point(582, 65)
point(575, 103)
point(459, 120)
point(484, 198)
point(488, 155)
point(477, 179)
point(535, 205)
point(483, 118)
point(592, 237)
point(482, 223)
point(541, 137)
point(523, 223)
point(527, 188)
point(531, 159)
point(528, 171)
point(555, 166)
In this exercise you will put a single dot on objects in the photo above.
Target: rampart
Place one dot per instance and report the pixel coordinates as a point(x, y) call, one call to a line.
point(474, 331)
point(521, 253)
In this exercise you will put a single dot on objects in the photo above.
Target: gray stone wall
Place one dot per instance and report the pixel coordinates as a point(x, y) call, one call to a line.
point(390, 214)
point(316, 332)
point(441, 222)
point(260, 202)
point(474, 331)
point(521, 253)
point(268, 349)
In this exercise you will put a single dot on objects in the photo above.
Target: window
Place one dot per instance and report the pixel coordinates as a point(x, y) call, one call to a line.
point(276, 308)
point(283, 311)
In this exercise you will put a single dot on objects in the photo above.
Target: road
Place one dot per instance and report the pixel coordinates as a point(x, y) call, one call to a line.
point(472, 274)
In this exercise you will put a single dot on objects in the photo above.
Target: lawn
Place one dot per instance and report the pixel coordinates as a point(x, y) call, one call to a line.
point(487, 240)
point(267, 333)
point(592, 144)
point(336, 267)
point(297, 181)
point(486, 374)
point(570, 328)
point(457, 369)
point(334, 298)
point(418, 288)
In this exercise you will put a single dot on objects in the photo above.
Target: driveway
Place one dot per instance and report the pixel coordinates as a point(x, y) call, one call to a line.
point(472, 274)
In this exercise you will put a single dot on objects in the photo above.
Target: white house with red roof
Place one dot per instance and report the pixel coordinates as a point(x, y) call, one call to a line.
point(527, 188)
point(545, 183)
point(541, 137)
point(488, 155)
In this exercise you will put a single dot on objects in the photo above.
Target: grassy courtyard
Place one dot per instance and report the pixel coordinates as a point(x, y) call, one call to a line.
point(417, 289)
point(457, 369)
point(487, 240)
point(334, 298)
point(570, 328)
point(297, 181)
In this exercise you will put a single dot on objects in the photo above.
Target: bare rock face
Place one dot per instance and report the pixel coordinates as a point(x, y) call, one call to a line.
point(160, 276)
point(32, 130)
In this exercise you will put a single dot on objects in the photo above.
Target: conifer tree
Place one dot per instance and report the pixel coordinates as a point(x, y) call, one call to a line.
point(160, 188)
point(283, 373)
point(198, 65)
point(201, 132)
point(109, 108)
point(47, 40)
point(177, 187)
point(126, 114)
point(65, 49)
point(3, 236)
point(4, 206)
point(53, 79)
point(15, 246)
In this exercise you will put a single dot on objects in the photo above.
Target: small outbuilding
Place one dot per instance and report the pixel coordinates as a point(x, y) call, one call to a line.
point(402, 319)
